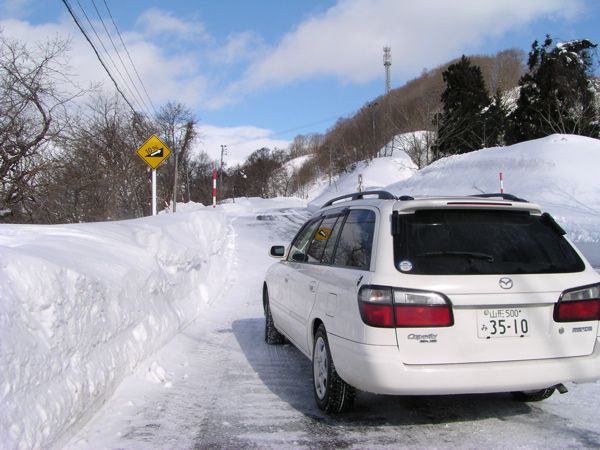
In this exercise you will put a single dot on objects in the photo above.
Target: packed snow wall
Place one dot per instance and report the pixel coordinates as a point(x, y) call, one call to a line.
point(81, 305)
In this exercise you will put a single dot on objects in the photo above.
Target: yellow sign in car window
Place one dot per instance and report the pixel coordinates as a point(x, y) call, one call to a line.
point(322, 234)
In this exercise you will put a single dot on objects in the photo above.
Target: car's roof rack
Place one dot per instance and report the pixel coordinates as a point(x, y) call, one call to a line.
point(503, 196)
point(382, 195)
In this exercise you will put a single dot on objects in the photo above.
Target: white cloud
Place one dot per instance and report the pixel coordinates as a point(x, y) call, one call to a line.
point(166, 75)
point(347, 40)
point(155, 22)
point(240, 47)
point(241, 142)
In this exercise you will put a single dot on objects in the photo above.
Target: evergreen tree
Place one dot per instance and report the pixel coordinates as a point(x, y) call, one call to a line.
point(556, 93)
point(460, 125)
point(495, 121)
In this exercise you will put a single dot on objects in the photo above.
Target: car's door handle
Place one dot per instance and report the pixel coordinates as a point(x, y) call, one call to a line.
point(312, 286)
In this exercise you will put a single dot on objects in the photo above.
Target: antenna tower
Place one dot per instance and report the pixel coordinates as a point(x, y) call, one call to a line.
point(387, 63)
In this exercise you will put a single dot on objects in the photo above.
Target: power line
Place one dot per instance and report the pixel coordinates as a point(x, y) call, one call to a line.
point(129, 56)
point(68, 6)
point(119, 56)
point(107, 53)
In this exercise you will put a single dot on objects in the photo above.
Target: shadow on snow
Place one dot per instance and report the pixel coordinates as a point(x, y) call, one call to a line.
point(287, 373)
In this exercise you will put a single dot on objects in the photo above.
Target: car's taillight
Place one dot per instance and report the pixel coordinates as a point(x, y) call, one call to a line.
point(375, 303)
point(388, 307)
point(422, 309)
point(577, 305)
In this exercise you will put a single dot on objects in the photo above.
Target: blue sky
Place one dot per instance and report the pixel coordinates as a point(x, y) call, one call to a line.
point(260, 72)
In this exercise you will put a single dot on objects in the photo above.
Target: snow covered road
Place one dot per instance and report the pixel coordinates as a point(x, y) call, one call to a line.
point(218, 385)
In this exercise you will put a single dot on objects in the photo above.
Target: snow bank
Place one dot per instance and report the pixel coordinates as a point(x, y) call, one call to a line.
point(376, 174)
point(82, 305)
point(559, 172)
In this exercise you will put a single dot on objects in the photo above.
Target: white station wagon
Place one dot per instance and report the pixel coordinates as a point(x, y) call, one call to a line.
point(448, 295)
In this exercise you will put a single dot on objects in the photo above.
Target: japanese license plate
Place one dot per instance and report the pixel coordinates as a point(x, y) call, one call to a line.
point(502, 322)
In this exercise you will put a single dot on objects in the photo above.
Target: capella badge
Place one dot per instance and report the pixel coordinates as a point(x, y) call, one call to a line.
point(506, 283)
point(423, 338)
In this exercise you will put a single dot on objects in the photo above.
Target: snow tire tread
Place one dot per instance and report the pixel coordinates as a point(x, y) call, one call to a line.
point(339, 396)
point(272, 336)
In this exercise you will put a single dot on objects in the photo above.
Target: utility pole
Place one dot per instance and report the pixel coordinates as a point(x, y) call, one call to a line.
point(223, 152)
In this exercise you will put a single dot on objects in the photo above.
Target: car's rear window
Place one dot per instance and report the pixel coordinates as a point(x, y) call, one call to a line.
point(464, 242)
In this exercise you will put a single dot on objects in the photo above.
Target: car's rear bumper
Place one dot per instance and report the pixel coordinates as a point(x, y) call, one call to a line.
point(378, 369)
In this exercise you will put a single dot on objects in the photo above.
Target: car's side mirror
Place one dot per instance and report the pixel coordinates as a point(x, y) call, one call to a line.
point(277, 251)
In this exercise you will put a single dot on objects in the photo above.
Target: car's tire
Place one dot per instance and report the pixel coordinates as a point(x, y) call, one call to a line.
point(332, 394)
point(272, 336)
point(533, 396)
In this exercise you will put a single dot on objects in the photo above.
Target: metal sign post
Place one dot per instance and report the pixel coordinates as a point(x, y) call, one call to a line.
point(153, 192)
point(153, 152)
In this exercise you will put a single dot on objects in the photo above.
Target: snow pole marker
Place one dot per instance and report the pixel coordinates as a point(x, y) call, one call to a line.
point(501, 183)
point(214, 189)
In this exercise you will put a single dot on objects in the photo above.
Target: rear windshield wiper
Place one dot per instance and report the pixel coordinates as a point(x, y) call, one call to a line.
point(483, 256)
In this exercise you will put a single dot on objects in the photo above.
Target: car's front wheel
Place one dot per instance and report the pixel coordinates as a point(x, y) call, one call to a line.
point(272, 336)
point(533, 396)
point(333, 395)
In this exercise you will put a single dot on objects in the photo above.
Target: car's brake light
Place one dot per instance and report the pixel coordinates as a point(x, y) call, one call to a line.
point(387, 307)
point(578, 305)
point(375, 304)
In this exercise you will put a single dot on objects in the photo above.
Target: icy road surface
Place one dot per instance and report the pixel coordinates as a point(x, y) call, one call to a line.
point(218, 385)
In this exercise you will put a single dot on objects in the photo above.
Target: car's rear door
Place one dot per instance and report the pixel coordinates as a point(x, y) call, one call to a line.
point(503, 273)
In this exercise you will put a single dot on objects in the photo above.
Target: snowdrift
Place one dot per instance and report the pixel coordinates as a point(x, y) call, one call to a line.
point(559, 172)
point(376, 174)
point(81, 305)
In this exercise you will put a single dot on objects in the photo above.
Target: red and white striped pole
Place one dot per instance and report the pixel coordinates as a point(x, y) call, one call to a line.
point(501, 183)
point(214, 192)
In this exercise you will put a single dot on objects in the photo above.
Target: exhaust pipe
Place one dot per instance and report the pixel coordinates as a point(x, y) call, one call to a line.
point(561, 388)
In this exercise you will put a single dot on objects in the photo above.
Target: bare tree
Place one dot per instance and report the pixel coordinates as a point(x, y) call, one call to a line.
point(177, 126)
point(95, 173)
point(32, 105)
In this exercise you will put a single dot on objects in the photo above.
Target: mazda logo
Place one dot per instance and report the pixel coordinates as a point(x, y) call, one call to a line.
point(506, 283)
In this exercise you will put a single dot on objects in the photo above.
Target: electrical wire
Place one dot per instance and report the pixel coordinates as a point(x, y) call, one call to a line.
point(129, 57)
point(76, 20)
point(139, 95)
point(107, 53)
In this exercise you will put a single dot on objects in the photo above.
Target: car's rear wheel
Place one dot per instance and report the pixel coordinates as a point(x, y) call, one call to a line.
point(333, 395)
point(272, 336)
point(533, 396)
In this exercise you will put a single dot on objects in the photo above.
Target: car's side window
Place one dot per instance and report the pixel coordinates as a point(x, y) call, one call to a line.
point(299, 248)
point(324, 235)
point(327, 257)
point(355, 243)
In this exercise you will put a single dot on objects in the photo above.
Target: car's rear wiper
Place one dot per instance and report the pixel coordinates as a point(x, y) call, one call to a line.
point(483, 256)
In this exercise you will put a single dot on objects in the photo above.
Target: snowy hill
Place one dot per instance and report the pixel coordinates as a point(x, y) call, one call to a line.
point(558, 172)
point(375, 174)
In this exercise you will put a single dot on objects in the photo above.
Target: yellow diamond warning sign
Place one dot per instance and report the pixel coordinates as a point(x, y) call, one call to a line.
point(153, 152)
